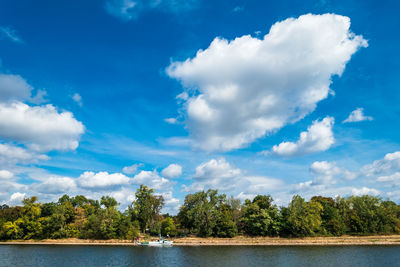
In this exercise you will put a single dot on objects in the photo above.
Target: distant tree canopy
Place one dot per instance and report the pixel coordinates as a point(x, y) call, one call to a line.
point(204, 213)
point(208, 214)
point(261, 217)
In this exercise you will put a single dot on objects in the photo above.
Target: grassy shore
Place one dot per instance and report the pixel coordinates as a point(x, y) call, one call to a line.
point(236, 241)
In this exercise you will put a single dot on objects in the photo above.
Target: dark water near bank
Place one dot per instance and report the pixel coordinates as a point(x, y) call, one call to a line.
point(30, 255)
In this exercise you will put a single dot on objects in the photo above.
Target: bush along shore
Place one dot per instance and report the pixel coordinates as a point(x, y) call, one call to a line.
point(204, 214)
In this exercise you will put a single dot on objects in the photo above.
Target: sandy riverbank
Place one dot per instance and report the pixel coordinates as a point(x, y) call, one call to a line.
point(236, 241)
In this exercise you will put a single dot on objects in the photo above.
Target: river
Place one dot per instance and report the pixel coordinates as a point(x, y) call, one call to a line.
point(59, 255)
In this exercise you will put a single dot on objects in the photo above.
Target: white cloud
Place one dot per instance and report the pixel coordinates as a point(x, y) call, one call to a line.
point(132, 169)
point(130, 9)
point(220, 174)
point(40, 128)
point(394, 195)
point(10, 34)
point(238, 9)
point(125, 196)
point(319, 137)
point(171, 120)
point(325, 172)
point(16, 198)
point(171, 204)
point(248, 87)
point(101, 180)
point(358, 115)
point(177, 141)
point(303, 186)
point(39, 98)
point(365, 191)
point(77, 98)
point(386, 171)
point(216, 168)
point(243, 196)
point(56, 185)
point(172, 171)
point(10, 154)
point(391, 162)
point(174, 6)
point(261, 184)
point(183, 96)
point(4, 174)
point(393, 179)
point(92, 185)
point(8, 186)
point(122, 9)
point(153, 180)
point(14, 87)
point(328, 180)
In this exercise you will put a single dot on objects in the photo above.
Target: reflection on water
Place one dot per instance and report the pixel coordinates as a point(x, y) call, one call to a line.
point(30, 255)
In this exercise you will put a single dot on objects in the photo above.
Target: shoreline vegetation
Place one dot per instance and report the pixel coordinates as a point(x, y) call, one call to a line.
point(386, 240)
point(204, 218)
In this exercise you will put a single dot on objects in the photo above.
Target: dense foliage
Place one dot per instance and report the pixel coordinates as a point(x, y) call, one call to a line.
point(205, 213)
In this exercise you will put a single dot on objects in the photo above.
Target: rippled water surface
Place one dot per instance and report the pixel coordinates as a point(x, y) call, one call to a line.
point(31, 255)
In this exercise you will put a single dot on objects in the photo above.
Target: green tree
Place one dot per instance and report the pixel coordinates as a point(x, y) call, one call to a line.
point(104, 224)
point(108, 202)
point(168, 227)
point(12, 230)
point(225, 225)
point(367, 214)
point(237, 213)
point(31, 225)
point(390, 217)
point(57, 217)
point(133, 232)
point(80, 201)
point(302, 218)
point(261, 217)
point(146, 207)
point(202, 213)
point(332, 222)
point(198, 212)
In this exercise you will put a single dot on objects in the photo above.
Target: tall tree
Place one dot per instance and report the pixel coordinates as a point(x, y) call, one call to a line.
point(168, 227)
point(365, 214)
point(146, 207)
point(225, 225)
point(332, 222)
point(207, 213)
point(31, 225)
point(302, 218)
point(261, 217)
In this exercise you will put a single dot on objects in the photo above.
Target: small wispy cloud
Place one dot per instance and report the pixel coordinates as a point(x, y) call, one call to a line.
point(127, 10)
point(77, 98)
point(132, 168)
point(171, 120)
point(9, 34)
point(122, 9)
point(40, 97)
point(358, 115)
point(238, 9)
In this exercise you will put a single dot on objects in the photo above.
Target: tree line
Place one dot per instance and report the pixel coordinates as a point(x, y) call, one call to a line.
point(204, 214)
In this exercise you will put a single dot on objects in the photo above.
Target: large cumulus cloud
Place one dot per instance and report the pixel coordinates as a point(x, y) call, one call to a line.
point(240, 90)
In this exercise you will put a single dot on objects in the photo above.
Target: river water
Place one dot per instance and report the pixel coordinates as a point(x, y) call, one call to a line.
point(31, 255)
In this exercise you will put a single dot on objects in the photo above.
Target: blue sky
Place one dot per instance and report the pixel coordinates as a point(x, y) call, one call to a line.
point(97, 97)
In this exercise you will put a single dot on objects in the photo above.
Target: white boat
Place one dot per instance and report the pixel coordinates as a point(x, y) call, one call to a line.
point(159, 243)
